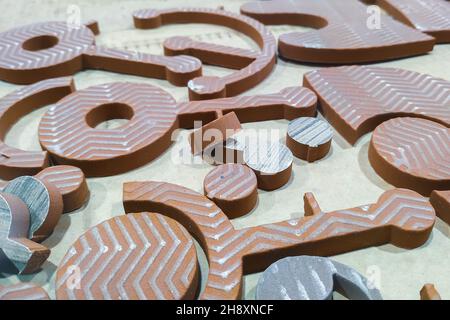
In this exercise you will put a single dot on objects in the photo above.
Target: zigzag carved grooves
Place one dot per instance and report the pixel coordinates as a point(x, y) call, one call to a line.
point(140, 256)
point(347, 31)
point(429, 16)
point(23, 291)
point(400, 216)
point(412, 153)
point(16, 162)
point(356, 99)
point(230, 181)
point(65, 131)
point(237, 82)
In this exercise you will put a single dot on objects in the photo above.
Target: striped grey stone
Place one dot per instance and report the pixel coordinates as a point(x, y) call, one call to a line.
point(312, 278)
point(310, 131)
point(35, 195)
point(268, 157)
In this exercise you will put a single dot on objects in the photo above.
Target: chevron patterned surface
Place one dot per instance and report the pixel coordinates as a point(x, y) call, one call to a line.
point(139, 256)
point(64, 132)
point(13, 161)
point(400, 211)
point(429, 16)
point(235, 82)
point(356, 99)
point(23, 291)
point(415, 146)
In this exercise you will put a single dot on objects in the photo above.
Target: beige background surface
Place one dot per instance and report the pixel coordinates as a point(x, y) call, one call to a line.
point(343, 179)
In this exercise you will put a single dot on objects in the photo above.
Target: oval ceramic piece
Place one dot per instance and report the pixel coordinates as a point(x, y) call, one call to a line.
point(52, 49)
point(348, 31)
point(139, 256)
point(401, 217)
point(44, 203)
point(271, 162)
point(356, 99)
point(233, 187)
point(18, 254)
point(313, 278)
point(23, 291)
point(429, 16)
point(412, 153)
point(309, 138)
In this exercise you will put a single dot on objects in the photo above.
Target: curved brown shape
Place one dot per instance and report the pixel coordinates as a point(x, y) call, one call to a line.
point(44, 202)
point(23, 291)
point(16, 162)
point(356, 99)
point(429, 292)
point(70, 182)
point(203, 88)
point(18, 254)
point(412, 153)
point(140, 256)
point(233, 187)
point(67, 131)
point(309, 138)
point(53, 49)
point(345, 35)
point(401, 217)
point(441, 203)
point(429, 16)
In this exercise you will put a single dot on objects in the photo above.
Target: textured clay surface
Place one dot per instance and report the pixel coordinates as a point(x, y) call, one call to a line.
point(347, 33)
point(18, 254)
point(15, 162)
point(309, 138)
point(356, 99)
point(401, 217)
point(139, 256)
point(23, 291)
point(429, 16)
point(44, 202)
point(46, 50)
point(271, 162)
point(429, 292)
point(313, 278)
point(70, 182)
point(441, 203)
point(233, 187)
point(412, 153)
point(214, 133)
point(67, 131)
point(208, 87)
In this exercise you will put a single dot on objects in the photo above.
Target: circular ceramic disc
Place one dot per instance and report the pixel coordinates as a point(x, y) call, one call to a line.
point(233, 187)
